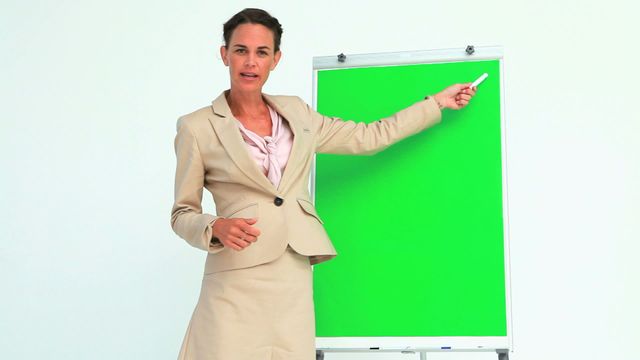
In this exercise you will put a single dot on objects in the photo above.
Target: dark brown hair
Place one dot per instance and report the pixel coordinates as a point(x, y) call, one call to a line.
point(253, 16)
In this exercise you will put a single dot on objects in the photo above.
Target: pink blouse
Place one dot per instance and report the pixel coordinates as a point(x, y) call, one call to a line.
point(271, 153)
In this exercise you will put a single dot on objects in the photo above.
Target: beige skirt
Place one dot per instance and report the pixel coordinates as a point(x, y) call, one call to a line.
point(263, 312)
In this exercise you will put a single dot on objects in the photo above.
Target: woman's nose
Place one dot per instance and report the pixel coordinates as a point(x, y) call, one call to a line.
point(250, 60)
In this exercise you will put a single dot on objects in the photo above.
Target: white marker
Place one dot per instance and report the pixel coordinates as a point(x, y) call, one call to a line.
point(479, 81)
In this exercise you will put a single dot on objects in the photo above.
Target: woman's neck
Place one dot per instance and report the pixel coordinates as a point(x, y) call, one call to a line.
point(250, 104)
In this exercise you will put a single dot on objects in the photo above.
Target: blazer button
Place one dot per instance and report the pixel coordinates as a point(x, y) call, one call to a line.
point(278, 201)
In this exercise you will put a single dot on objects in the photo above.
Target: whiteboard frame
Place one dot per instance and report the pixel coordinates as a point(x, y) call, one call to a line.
point(426, 343)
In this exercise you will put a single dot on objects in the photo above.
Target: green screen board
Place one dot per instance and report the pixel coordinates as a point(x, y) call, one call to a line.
point(419, 226)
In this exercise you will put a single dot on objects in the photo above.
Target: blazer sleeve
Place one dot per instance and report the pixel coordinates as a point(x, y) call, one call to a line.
point(336, 136)
point(187, 219)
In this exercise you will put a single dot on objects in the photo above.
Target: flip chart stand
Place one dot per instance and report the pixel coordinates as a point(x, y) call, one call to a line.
point(498, 341)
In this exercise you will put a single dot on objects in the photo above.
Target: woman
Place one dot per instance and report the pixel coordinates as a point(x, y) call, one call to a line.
point(253, 152)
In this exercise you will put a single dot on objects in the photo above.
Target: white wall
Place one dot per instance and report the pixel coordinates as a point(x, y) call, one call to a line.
point(90, 92)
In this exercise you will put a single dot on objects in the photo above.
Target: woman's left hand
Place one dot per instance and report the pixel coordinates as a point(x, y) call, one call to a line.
point(455, 96)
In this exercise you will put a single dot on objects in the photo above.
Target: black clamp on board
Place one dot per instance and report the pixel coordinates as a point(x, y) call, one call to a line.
point(470, 50)
point(342, 57)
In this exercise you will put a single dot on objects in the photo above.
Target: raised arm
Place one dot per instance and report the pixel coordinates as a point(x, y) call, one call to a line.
point(338, 136)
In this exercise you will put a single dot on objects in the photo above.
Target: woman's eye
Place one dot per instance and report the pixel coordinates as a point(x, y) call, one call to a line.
point(263, 53)
point(240, 51)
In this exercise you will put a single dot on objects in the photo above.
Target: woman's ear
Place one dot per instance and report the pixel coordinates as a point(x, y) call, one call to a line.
point(277, 56)
point(223, 55)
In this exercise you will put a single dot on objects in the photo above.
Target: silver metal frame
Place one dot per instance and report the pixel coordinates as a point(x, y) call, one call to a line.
point(406, 58)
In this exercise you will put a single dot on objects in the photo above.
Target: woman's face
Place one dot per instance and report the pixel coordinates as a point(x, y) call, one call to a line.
point(250, 57)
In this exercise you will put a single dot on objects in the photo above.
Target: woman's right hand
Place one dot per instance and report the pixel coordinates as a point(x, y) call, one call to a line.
point(236, 233)
point(456, 96)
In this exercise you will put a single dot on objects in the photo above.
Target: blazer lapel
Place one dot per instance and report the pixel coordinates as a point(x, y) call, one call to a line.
point(226, 127)
point(297, 147)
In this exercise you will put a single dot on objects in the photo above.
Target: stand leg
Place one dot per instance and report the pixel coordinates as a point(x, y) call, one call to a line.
point(503, 354)
point(319, 355)
point(423, 355)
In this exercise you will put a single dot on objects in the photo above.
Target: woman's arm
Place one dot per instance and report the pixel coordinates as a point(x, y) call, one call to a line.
point(338, 136)
point(187, 219)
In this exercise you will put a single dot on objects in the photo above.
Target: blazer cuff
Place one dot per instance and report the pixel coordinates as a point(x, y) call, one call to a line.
point(433, 108)
point(215, 246)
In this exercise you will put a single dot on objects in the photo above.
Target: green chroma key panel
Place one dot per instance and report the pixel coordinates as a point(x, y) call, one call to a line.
point(419, 226)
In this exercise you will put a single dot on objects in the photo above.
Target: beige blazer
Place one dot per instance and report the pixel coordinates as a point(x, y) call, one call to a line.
point(211, 154)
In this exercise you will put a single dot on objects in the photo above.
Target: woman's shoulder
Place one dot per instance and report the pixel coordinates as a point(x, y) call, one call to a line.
point(287, 101)
point(195, 118)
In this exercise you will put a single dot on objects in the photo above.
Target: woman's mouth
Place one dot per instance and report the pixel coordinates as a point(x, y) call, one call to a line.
point(249, 75)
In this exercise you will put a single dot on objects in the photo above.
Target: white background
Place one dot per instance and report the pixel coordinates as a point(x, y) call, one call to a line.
point(90, 92)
